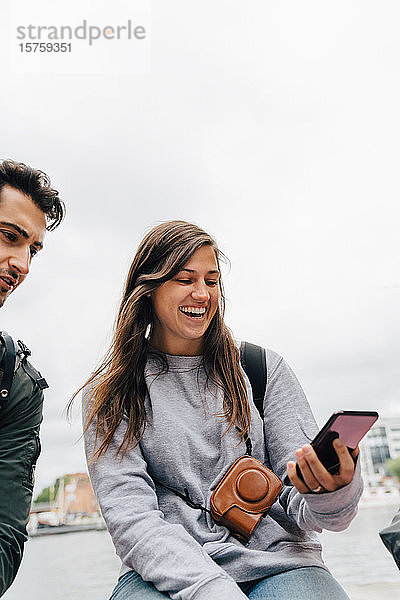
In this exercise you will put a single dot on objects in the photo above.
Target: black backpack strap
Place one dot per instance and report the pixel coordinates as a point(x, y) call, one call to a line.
point(253, 361)
point(7, 365)
point(24, 352)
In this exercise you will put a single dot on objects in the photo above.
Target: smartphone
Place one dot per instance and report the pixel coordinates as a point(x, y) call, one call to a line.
point(350, 426)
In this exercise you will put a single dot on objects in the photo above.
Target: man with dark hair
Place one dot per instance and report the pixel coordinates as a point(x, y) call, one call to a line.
point(28, 206)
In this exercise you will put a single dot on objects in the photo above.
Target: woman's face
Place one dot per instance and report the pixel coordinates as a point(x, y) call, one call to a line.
point(185, 305)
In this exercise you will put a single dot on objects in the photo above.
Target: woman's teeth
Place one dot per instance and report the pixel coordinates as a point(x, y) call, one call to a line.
point(193, 311)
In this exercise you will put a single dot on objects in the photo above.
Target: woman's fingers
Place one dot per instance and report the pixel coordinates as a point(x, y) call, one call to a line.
point(346, 460)
point(306, 468)
point(295, 479)
point(322, 477)
point(315, 475)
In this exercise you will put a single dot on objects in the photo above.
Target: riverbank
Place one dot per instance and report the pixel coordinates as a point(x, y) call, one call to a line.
point(84, 565)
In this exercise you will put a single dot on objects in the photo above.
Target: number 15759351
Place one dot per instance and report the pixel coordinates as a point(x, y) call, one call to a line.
point(45, 47)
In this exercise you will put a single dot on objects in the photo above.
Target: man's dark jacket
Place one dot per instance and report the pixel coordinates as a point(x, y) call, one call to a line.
point(390, 536)
point(20, 418)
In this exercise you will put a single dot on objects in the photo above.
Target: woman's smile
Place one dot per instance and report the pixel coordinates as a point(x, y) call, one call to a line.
point(193, 312)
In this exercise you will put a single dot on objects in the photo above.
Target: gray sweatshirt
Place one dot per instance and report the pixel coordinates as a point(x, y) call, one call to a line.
point(181, 550)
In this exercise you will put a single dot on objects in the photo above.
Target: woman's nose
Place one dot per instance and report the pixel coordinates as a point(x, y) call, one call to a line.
point(200, 292)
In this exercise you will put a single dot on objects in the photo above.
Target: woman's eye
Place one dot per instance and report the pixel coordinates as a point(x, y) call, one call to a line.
point(212, 282)
point(184, 280)
point(33, 251)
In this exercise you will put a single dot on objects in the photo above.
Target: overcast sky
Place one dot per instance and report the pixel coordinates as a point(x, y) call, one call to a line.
point(274, 126)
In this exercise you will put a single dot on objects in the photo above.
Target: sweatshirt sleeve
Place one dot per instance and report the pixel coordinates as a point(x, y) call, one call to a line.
point(289, 424)
point(161, 552)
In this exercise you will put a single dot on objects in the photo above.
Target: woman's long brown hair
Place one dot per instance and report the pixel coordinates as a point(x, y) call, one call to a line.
point(118, 387)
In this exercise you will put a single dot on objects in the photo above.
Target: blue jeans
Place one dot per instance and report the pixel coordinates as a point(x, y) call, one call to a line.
point(307, 583)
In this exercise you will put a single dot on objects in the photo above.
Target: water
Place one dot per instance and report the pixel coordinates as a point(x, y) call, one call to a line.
point(358, 558)
point(84, 565)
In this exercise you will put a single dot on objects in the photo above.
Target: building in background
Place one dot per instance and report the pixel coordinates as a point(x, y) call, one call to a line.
point(381, 443)
point(71, 506)
point(75, 496)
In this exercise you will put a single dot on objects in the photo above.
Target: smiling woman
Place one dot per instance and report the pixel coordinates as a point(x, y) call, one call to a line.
point(185, 305)
point(167, 418)
point(175, 272)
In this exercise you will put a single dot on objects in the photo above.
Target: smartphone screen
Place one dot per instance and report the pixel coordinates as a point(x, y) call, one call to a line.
point(350, 426)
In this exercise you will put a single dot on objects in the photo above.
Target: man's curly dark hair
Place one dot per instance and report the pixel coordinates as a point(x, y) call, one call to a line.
point(36, 185)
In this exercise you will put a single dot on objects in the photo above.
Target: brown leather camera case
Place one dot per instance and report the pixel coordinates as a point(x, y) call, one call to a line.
point(244, 495)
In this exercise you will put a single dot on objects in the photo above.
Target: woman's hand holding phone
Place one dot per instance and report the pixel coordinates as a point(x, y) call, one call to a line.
point(316, 477)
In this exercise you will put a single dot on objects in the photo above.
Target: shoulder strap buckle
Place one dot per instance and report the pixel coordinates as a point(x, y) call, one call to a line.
point(24, 349)
point(29, 370)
